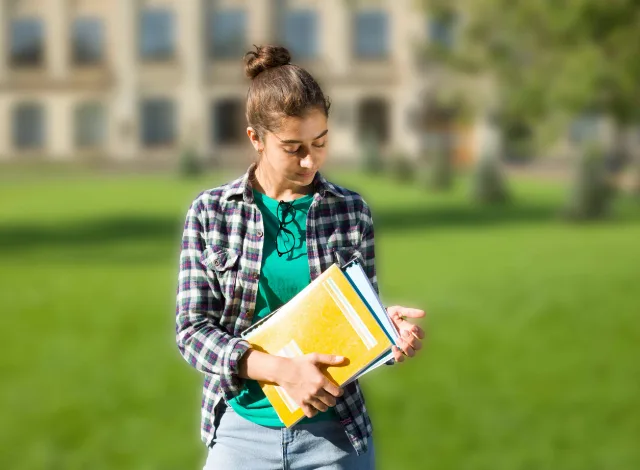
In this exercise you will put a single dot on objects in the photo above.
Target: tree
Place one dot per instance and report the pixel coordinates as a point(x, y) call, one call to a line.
point(489, 185)
point(551, 60)
point(592, 191)
point(547, 55)
point(438, 117)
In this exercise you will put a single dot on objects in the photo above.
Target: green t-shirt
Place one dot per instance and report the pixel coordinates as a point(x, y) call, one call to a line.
point(281, 278)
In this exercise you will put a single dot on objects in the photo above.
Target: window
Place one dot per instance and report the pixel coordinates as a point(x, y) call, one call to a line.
point(27, 42)
point(300, 33)
point(373, 119)
point(371, 30)
point(88, 40)
point(158, 122)
point(28, 126)
point(90, 125)
point(156, 34)
point(442, 30)
point(227, 34)
point(228, 122)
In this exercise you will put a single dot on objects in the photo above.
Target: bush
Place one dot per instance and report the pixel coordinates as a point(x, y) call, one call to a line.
point(441, 169)
point(518, 142)
point(402, 167)
point(371, 158)
point(436, 169)
point(488, 184)
point(190, 165)
point(635, 177)
point(592, 190)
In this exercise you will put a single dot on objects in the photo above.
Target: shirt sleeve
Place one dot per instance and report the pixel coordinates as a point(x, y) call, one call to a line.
point(367, 249)
point(201, 340)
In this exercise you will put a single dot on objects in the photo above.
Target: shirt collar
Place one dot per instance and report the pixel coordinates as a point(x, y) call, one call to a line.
point(243, 187)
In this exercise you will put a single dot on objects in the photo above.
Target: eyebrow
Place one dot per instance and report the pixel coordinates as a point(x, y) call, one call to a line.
point(322, 134)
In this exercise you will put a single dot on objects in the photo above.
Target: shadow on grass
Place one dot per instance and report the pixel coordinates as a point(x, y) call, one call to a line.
point(89, 233)
point(464, 217)
point(115, 230)
point(108, 233)
point(111, 241)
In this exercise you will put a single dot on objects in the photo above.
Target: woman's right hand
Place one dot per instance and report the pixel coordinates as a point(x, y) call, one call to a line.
point(307, 385)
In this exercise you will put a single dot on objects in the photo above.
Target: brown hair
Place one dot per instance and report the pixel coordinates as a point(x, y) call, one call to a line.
point(279, 89)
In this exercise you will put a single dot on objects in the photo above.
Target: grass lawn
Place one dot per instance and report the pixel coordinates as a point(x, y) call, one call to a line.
point(534, 329)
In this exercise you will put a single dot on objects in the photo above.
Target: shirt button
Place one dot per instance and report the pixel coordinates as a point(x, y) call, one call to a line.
point(260, 234)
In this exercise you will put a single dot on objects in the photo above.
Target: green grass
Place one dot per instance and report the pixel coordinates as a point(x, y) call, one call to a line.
point(534, 336)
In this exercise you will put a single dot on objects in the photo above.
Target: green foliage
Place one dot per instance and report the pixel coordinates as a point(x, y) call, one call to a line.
point(190, 166)
point(437, 169)
point(402, 167)
point(371, 155)
point(635, 176)
point(592, 191)
point(519, 144)
point(554, 56)
point(489, 185)
point(442, 170)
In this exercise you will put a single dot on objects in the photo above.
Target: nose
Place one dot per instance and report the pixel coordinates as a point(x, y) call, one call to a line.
point(306, 162)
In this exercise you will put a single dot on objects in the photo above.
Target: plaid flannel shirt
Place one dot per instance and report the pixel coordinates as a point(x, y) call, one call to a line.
point(218, 283)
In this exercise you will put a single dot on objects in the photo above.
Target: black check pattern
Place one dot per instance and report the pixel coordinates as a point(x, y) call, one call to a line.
point(220, 263)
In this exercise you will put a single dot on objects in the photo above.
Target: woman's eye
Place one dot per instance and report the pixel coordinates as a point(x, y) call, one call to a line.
point(296, 151)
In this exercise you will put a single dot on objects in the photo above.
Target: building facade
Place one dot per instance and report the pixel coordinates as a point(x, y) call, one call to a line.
point(147, 79)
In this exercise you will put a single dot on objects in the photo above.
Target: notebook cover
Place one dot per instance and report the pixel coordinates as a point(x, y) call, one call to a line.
point(327, 317)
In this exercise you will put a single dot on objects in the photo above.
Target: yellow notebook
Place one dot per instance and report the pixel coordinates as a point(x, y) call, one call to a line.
point(327, 317)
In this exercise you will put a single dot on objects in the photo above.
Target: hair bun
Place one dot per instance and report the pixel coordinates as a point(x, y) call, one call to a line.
point(263, 58)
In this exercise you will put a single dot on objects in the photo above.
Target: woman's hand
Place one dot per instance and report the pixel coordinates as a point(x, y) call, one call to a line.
point(307, 385)
point(410, 334)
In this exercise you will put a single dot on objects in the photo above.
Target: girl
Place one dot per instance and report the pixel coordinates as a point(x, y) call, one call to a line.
point(250, 246)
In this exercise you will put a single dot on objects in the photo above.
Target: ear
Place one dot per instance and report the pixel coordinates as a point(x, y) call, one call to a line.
point(255, 139)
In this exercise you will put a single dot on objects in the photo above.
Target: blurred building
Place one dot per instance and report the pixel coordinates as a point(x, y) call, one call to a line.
point(145, 79)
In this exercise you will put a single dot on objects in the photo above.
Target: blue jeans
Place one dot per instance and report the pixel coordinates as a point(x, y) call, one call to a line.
point(240, 444)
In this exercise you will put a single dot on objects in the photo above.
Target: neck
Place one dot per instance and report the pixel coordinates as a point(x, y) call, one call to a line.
point(276, 186)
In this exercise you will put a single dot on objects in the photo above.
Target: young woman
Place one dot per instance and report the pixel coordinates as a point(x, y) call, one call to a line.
point(251, 245)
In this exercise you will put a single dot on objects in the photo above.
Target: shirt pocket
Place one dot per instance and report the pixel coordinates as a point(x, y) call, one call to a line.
point(222, 263)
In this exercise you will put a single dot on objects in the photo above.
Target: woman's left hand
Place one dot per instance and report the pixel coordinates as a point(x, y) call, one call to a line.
point(410, 334)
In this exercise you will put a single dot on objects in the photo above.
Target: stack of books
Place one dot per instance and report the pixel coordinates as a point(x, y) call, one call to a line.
point(338, 313)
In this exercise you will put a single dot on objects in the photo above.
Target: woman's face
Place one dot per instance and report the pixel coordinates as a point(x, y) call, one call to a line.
point(297, 150)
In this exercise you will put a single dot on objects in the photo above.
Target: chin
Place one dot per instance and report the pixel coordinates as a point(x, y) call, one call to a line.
point(305, 180)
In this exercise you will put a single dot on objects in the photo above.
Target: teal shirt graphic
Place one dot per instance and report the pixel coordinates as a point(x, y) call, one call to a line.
point(281, 278)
